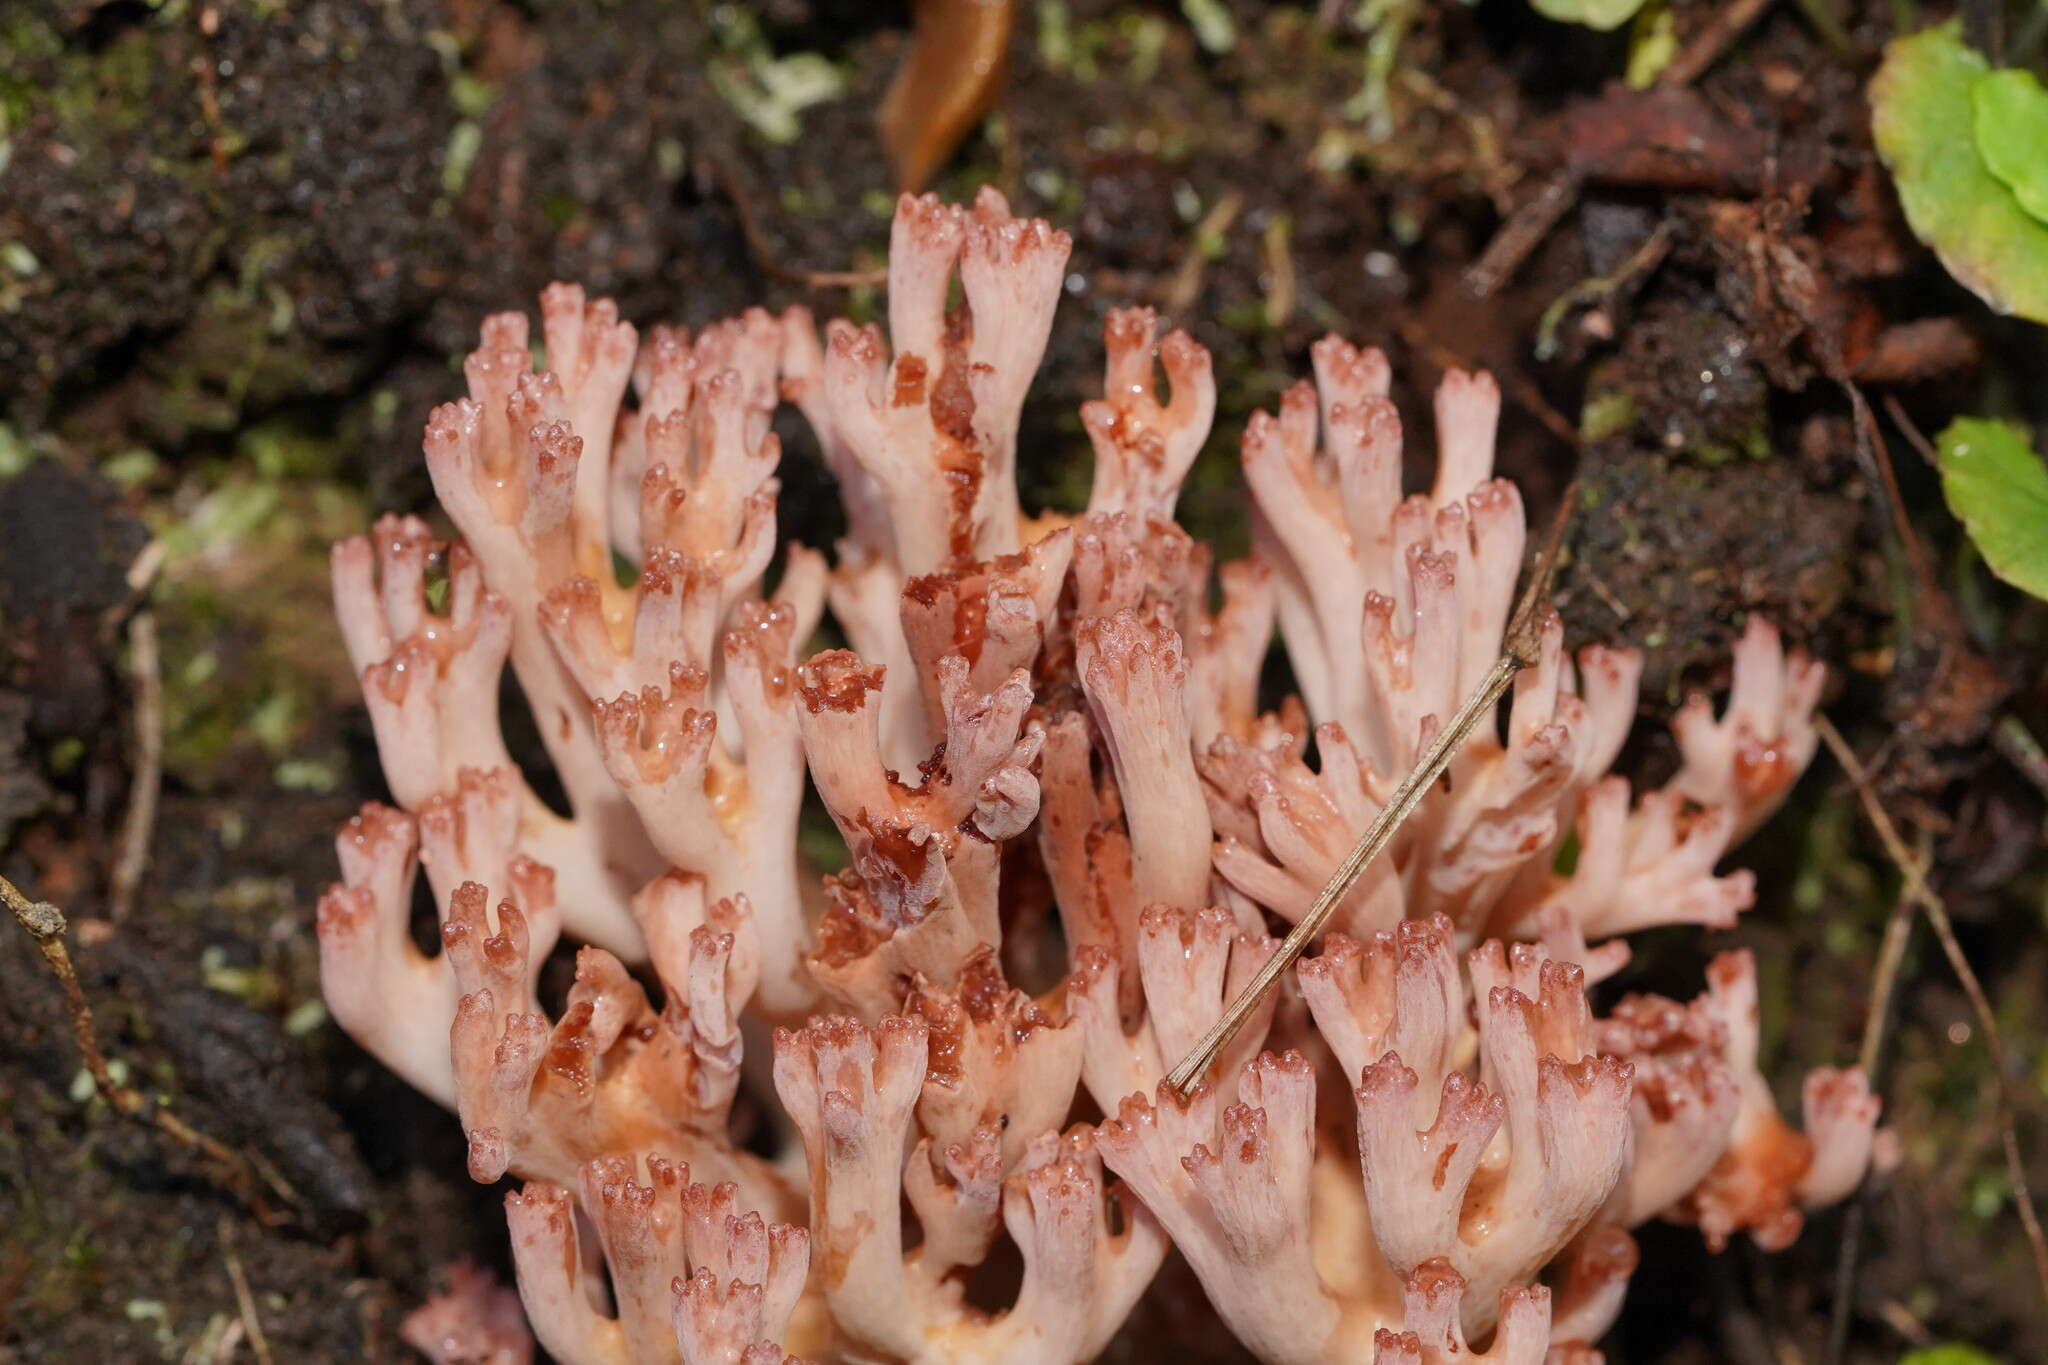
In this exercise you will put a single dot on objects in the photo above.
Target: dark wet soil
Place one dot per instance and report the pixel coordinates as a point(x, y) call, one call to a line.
point(242, 243)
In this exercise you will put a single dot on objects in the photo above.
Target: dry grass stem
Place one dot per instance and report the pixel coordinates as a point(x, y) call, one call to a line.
point(1920, 893)
point(138, 824)
point(1519, 650)
point(45, 924)
point(245, 1302)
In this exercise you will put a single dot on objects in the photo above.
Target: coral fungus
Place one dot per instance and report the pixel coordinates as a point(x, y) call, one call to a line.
point(1070, 835)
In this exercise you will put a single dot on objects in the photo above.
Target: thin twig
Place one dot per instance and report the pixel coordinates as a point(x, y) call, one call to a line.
point(245, 1302)
point(1900, 1319)
point(1710, 42)
point(1279, 273)
point(1518, 236)
point(1597, 290)
point(370, 1303)
point(143, 571)
point(207, 68)
point(2026, 39)
point(1891, 953)
point(1848, 1255)
point(1910, 430)
point(1984, 28)
point(1926, 602)
point(14, 1268)
point(2017, 745)
point(45, 924)
point(1521, 648)
point(1980, 1004)
point(1513, 382)
point(1186, 285)
point(1532, 222)
point(763, 252)
point(1821, 14)
point(138, 823)
point(1599, 588)
point(1878, 456)
point(229, 1342)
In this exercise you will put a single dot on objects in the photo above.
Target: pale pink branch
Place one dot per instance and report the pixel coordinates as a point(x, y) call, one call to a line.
point(996, 1059)
point(1685, 1102)
point(430, 680)
point(1226, 652)
point(1189, 966)
point(1284, 828)
point(1397, 991)
point(389, 996)
point(694, 1281)
point(1434, 1307)
point(1749, 758)
point(473, 1320)
point(610, 1075)
point(1589, 1292)
point(1233, 1192)
point(1143, 448)
point(993, 615)
point(1135, 678)
point(1769, 1171)
point(554, 1279)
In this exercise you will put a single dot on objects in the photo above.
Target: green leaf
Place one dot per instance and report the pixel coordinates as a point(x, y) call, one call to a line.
point(1924, 123)
point(1598, 14)
point(1651, 47)
point(1214, 29)
point(2012, 135)
point(1952, 1353)
point(1998, 488)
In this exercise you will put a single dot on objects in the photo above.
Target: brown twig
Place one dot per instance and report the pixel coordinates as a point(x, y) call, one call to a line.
point(1984, 28)
point(45, 923)
point(1870, 448)
point(14, 1268)
point(1532, 222)
point(245, 1302)
point(138, 823)
point(224, 1346)
point(1516, 385)
point(1821, 14)
point(206, 66)
point(1279, 273)
point(1923, 895)
point(763, 252)
point(1910, 430)
point(1709, 43)
point(142, 572)
point(1599, 290)
point(1185, 286)
point(1606, 594)
point(1518, 236)
point(2017, 745)
point(370, 1297)
point(1891, 954)
point(1520, 649)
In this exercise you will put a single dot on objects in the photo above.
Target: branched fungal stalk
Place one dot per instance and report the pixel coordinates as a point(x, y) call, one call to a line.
point(1521, 648)
point(1071, 838)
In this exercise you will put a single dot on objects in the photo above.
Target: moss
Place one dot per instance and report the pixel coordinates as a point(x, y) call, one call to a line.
point(1744, 536)
point(263, 349)
point(1606, 414)
point(181, 206)
point(248, 664)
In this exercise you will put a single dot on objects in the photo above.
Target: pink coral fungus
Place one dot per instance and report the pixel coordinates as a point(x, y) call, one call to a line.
point(788, 1108)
